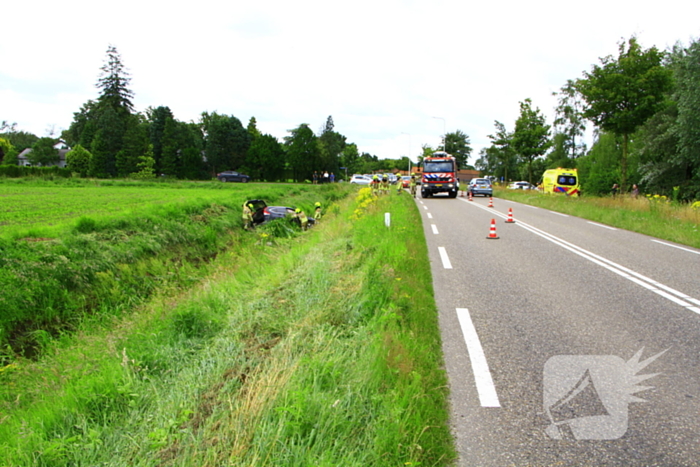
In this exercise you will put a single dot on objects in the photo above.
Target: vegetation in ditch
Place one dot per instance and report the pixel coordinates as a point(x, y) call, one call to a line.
point(322, 349)
point(115, 244)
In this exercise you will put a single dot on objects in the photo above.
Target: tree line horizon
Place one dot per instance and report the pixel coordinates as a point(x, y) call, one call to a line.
point(644, 105)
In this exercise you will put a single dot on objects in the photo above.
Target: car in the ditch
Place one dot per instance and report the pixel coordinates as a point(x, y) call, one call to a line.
point(262, 213)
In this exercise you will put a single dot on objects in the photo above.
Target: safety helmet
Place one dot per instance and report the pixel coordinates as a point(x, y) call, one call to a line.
point(375, 177)
point(413, 174)
point(297, 210)
point(385, 177)
point(318, 204)
point(250, 205)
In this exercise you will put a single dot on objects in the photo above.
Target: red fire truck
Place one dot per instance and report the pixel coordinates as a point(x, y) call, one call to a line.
point(439, 175)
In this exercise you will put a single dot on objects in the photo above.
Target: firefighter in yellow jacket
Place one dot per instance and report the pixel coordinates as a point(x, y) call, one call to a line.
point(303, 220)
point(317, 212)
point(248, 211)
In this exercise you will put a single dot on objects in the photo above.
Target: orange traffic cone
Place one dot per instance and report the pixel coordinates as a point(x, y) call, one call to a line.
point(510, 219)
point(491, 202)
point(470, 196)
point(492, 232)
point(462, 193)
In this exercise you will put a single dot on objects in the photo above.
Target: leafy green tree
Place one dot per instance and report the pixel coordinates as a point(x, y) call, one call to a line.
point(44, 153)
point(266, 158)
point(226, 143)
point(531, 136)
point(570, 122)
point(83, 127)
point(350, 159)
point(107, 143)
point(20, 140)
point(600, 168)
point(625, 92)
point(687, 95)
point(501, 156)
point(191, 147)
point(146, 167)
point(170, 163)
point(302, 152)
point(6, 149)
point(458, 145)
point(253, 128)
point(78, 160)
point(331, 145)
point(134, 145)
point(158, 118)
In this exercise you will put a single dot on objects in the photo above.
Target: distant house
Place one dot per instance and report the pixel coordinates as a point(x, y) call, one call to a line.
point(22, 160)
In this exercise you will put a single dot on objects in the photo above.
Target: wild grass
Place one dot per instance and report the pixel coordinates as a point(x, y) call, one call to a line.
point(654, 216)
point(322, 349)
point(103, 259)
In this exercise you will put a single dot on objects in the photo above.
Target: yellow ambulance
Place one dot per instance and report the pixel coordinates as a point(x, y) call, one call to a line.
point(561, 181)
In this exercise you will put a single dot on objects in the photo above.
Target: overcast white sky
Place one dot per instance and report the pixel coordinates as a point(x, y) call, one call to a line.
point(384, 69)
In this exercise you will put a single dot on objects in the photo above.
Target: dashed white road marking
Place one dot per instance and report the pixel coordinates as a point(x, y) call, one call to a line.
point(445, 259)
point(679, 247)
point(430, 216)
point(434, 227)
point(482, 375)
point(601, 225)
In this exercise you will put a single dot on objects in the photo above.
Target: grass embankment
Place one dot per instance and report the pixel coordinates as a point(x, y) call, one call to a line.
point(674, 222)
point(72, 249)
point(323, 349)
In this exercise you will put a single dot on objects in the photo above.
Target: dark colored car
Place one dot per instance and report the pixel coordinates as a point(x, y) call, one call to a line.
point(232, 176)
point(263, 213)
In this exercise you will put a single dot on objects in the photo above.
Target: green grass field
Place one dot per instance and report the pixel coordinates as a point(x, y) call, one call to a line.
point(321, 348)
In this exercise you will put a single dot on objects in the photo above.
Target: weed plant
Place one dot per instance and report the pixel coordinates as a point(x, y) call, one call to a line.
point(322, 349)
point(654, 216)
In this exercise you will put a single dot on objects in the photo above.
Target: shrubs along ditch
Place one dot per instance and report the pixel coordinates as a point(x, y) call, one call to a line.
point(322, 349)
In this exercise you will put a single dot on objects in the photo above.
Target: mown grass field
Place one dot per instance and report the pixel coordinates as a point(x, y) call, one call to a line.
point(317, 348)
point(656, 217)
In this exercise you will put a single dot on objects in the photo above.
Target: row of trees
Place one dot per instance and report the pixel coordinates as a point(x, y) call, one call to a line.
point(644, 105)
point(108, 138)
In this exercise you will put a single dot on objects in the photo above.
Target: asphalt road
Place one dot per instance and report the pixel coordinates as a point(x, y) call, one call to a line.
point(567, 343)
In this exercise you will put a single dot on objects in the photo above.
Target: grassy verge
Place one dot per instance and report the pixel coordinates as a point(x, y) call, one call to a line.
point(318, 350)
point(657, 218)
point(115, 245)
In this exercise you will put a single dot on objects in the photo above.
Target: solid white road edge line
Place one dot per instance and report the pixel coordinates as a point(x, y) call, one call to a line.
point(646, 282)
point(434, 227)
point(482, 374)
point(445, 259)
point(559, 214)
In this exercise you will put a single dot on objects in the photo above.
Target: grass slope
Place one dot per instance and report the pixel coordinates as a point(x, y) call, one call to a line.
point(322, 349)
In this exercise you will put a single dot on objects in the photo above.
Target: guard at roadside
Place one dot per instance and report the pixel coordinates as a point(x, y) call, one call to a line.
point(303, 220)
point(248, 216)
point(317, 211)
point(412, 184)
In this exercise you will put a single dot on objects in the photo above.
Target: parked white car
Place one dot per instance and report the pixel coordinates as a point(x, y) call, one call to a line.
point(521, 186)
point(360, 180)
